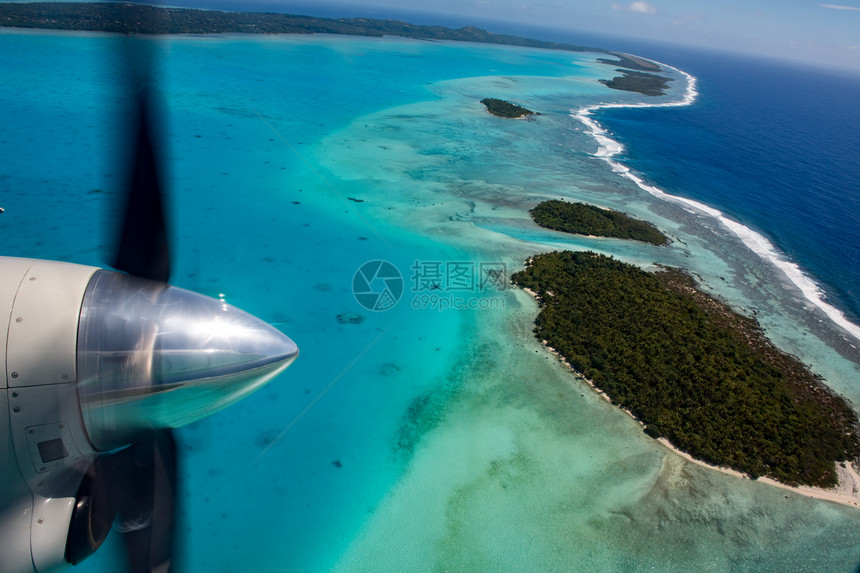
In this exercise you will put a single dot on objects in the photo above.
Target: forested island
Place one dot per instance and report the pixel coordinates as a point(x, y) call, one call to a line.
point(634, 78)
point(640, 82)
point(502, 108)
point(583, 219)
point(689, 368)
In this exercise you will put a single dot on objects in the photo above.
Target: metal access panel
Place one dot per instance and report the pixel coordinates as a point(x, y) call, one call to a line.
point(12, 270)
point(43, 325)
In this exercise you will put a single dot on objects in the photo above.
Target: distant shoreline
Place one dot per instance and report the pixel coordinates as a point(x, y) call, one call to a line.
point(155, 20)
point(130, 19)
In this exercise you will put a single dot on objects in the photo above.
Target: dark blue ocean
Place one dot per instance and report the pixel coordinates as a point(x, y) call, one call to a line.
point(775, 146)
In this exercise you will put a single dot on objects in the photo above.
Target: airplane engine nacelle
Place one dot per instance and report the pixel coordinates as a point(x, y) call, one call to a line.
point(45, 448)
point(91, 361)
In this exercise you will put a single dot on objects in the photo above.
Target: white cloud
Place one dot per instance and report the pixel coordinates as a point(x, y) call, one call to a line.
point(643, 8)
point(639, 7)
point(840, 7)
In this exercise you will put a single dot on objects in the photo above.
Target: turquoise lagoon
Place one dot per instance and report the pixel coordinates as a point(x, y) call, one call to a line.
point(418, 438)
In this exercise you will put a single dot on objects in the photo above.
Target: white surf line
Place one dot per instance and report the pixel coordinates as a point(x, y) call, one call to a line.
point(759, 244)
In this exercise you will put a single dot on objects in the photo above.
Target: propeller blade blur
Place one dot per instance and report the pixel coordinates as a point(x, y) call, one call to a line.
point(143, 248)
point(147, 502)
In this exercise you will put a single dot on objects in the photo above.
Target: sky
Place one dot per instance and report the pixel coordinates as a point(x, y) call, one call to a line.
point(804, 30)
point(823, 33)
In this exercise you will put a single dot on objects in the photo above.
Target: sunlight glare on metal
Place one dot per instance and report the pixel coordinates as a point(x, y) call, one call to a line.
point(154, 356)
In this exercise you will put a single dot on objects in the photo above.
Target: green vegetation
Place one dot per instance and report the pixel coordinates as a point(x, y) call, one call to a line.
point(502, 108)
point(128, 18)
point(640, 82)
point(585, 219)
point(636, 81)
point(689, 368)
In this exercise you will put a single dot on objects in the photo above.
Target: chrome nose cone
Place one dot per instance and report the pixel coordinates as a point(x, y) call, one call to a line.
point(152, 356)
